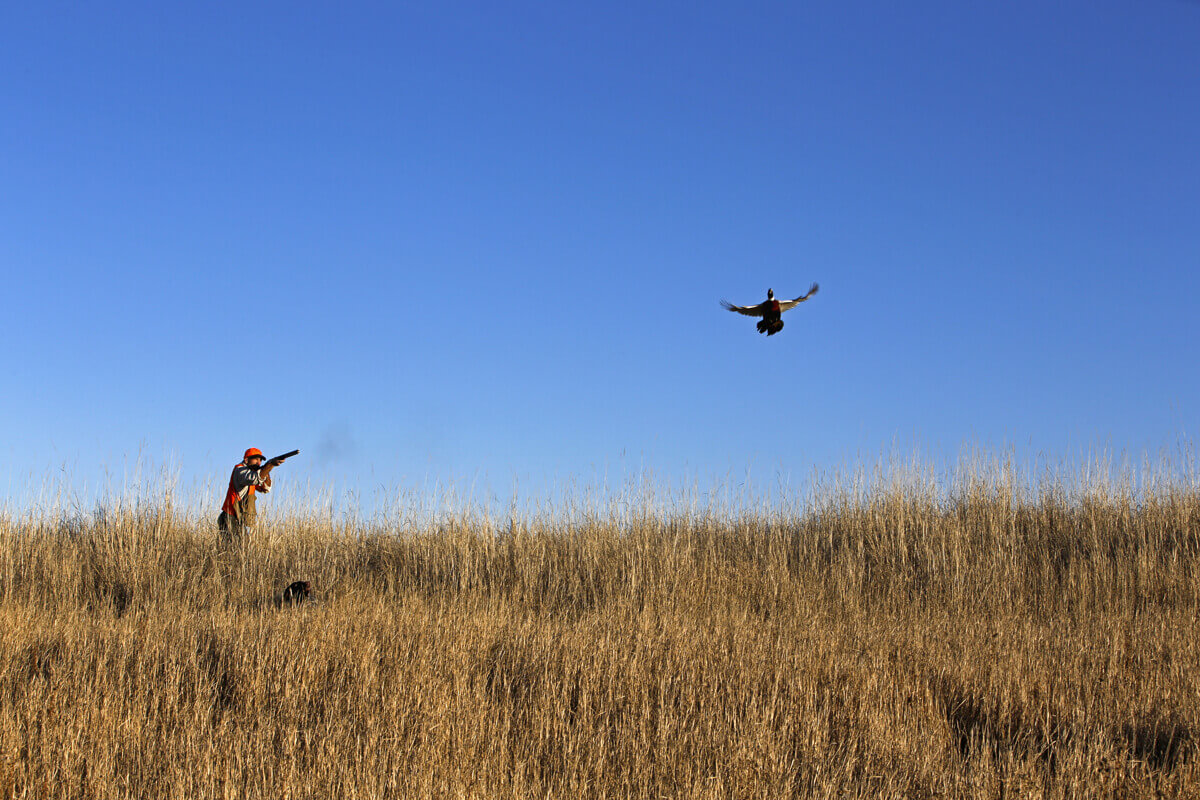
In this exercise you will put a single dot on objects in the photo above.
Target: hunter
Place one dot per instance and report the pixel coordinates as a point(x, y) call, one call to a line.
point(248, 477)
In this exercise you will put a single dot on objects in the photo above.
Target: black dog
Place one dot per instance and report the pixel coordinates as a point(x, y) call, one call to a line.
point(296, 593)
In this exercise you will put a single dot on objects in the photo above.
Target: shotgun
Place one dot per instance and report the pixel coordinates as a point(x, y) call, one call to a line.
point(280, 459)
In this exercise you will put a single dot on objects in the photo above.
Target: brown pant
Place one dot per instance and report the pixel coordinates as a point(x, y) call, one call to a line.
point(230, 525)
point(234, 525)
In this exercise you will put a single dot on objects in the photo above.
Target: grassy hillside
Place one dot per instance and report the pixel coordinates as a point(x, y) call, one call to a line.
point(905, 640)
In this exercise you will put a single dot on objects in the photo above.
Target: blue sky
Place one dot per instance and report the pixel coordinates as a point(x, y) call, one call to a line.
point(486, 242)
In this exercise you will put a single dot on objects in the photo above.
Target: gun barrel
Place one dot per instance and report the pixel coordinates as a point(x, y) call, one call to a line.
point(285, 455)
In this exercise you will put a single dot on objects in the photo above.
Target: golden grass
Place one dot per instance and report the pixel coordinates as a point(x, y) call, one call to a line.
point(899, 640)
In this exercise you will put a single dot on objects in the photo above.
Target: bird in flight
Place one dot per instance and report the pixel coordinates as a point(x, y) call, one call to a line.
point(770, 324)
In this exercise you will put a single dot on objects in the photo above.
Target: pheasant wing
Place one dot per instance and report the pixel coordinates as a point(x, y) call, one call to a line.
point(787, 304)
point(749, 311)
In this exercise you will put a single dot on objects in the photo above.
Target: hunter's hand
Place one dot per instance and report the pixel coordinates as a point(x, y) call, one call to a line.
point(274, 462)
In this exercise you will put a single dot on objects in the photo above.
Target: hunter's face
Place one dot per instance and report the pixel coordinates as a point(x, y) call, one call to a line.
point(254, 461)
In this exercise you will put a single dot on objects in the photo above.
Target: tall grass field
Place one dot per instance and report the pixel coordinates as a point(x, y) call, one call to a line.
point(898, 635)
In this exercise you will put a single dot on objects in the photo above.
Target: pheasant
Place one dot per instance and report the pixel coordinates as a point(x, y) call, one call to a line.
point(770, 311)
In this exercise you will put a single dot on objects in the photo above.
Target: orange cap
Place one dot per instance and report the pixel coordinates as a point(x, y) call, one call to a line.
point(253, 451)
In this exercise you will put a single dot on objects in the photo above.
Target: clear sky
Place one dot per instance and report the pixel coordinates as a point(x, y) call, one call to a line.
point(485, 242)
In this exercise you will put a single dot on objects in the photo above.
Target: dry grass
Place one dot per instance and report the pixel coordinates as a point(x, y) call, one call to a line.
point(900, 640)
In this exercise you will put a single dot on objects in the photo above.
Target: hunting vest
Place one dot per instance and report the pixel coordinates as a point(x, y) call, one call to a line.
point(239, 503)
